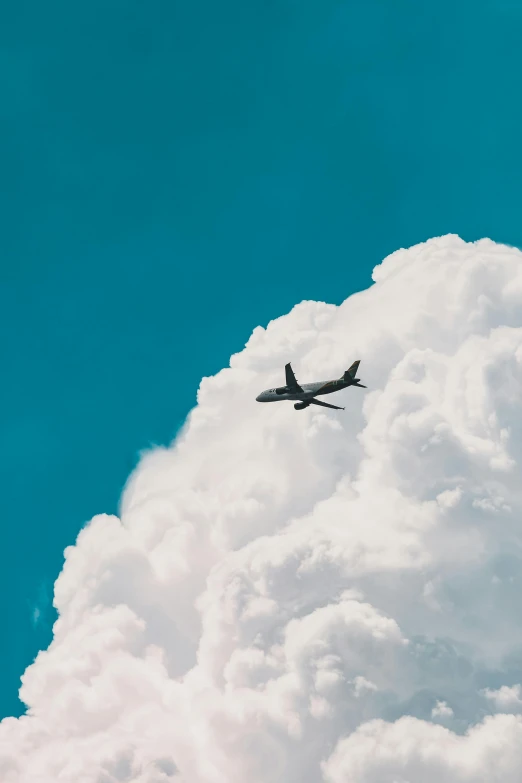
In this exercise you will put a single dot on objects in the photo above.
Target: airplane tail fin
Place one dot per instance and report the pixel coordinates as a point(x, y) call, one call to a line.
point(351, 372)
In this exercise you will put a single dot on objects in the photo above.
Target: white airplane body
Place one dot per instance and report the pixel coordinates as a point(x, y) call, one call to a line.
point(306, 393)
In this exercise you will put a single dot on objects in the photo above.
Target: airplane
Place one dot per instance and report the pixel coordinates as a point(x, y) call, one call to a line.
point(307, 393)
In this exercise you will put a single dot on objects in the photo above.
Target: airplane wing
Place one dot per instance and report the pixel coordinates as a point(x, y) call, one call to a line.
point(325, 405)
point(291, 382)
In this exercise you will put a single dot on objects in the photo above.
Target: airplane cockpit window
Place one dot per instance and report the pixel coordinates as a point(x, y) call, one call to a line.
point(281, 390)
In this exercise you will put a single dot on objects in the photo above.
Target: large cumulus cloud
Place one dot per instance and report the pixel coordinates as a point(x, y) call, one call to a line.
point(318, 595)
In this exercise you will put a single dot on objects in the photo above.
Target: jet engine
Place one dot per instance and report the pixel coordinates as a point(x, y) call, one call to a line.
point(300, 405)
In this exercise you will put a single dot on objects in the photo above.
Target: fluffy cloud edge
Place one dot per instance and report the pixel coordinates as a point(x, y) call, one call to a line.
point(280, 584)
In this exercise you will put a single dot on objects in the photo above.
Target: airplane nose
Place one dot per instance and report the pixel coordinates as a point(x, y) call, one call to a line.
point(259, 396)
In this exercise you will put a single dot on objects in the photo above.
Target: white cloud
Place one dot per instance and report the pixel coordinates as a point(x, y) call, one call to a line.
point(506, 698)
point(290, 596)
point(441, 710)
point(412, 750)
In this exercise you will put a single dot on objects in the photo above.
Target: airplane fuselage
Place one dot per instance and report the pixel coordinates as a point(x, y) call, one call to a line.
point(305, 394)
point(309, 391)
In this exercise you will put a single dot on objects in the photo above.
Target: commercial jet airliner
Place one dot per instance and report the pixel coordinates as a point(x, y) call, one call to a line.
point(306, 393)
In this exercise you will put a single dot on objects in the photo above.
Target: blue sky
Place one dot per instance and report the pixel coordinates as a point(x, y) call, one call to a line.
point(175, 174)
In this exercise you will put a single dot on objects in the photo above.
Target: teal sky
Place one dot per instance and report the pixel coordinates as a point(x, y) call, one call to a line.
point(175, 173)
